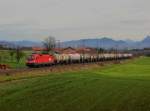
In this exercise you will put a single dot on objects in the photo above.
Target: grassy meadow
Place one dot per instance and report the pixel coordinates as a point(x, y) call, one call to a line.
point(119, 87)
point(5, 58)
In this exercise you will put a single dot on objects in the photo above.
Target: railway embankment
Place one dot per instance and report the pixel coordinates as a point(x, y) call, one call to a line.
point(23, 73)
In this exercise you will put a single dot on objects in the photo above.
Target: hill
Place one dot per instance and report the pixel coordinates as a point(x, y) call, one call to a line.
point(145, 42)
point(105, 42)
point(23, 43)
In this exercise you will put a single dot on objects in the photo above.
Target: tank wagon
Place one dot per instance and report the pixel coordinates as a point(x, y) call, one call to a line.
point(37, 60)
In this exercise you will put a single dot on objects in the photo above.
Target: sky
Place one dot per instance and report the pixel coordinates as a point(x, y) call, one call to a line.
point(74, 19)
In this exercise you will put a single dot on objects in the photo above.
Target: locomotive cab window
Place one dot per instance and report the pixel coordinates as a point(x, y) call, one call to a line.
point(30, 58)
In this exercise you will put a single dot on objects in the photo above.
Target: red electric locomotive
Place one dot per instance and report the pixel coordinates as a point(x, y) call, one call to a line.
point(36, 60)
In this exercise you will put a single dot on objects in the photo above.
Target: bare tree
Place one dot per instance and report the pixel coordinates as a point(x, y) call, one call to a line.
point(49, 43)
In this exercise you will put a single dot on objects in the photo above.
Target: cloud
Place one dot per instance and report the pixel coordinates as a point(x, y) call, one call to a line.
point(136, 22)
point(74, 19)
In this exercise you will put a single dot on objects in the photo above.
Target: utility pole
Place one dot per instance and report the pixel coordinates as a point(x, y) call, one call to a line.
point(116, 51)
point(83, 45)
point(102, 49)
point(58, 44)
point(97, 49)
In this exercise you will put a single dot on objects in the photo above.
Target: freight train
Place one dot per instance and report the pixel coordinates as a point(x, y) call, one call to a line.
point(38, 60)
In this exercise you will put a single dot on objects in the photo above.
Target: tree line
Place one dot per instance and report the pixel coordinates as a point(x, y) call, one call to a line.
point(11, 55)
point(16, 53)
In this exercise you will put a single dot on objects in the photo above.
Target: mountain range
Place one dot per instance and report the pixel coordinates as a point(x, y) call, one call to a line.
point(105, 42)
point(108, 43)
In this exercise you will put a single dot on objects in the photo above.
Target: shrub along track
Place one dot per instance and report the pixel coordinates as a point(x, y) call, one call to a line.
point(58, 68)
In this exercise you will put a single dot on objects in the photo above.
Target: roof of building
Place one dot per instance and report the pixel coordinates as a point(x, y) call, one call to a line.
point(69, 50)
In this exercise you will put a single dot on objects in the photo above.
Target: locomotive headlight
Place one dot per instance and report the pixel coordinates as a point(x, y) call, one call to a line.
point(33, 61)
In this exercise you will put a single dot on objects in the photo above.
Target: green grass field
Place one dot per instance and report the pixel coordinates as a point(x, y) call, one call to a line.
point(121, 87)
point(5, 58)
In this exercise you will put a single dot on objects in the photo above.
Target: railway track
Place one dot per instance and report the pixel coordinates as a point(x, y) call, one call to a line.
point(57, 68)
